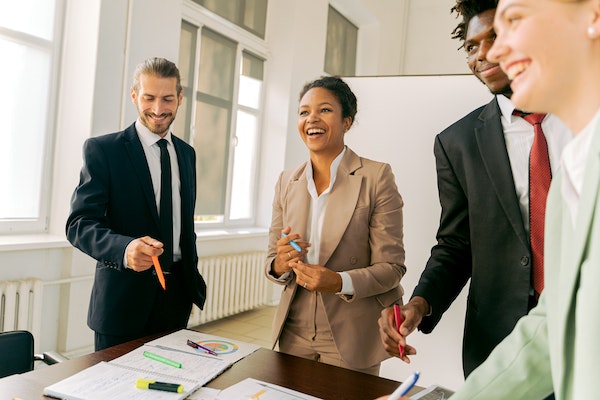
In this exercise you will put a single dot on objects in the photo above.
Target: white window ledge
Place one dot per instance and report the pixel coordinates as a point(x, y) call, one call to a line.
point(32, 242)
point(47, 241)
point(229, 233)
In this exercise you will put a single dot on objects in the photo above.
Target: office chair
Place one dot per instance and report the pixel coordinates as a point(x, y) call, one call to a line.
point(17, 357)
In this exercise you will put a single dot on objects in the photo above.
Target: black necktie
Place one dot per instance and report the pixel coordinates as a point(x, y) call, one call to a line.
point(166, 206)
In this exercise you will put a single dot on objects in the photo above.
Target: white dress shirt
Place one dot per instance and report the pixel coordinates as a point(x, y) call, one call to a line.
point(518, 136)
point(574, 159)
point(149, 142)
point(318, 206)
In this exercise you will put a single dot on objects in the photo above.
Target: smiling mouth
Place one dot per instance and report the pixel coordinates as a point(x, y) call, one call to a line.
point(158, 118)
point(315, 131)
point(489, 70)
point(515, 69)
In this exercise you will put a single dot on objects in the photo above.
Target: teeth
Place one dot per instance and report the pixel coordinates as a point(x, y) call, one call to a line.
point(516, 69)
point(314, 131)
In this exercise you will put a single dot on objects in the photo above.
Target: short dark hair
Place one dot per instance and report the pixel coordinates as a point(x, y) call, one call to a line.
point(156, 66)
point(339, 89)
point(467, 9)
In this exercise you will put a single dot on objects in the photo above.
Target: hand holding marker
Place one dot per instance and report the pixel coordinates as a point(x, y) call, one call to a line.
point(293, 244)
point(398, 318)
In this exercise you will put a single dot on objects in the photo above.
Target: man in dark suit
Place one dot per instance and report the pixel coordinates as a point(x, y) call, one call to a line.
point(483, 183)
point(115, 217)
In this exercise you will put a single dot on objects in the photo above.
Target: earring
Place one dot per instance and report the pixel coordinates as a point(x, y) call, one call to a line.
point(591, 31)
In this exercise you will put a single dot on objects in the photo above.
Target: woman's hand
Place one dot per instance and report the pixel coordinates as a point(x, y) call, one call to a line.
point(286, 253)
point(316, 278)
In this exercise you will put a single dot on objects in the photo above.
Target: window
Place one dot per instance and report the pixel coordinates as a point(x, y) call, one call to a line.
point(29, 42)
point(248, 14)
point(222, 76)
point(340, 50)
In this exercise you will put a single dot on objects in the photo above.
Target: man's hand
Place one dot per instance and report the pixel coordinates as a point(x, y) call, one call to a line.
point(391, 337)
point(140, 251)
point(413, 313)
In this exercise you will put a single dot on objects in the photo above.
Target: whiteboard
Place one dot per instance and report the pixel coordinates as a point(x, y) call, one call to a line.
point(397, 121)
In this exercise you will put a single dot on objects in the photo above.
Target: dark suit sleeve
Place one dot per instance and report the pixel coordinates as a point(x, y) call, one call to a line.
point(88, 226)
point(449, 266)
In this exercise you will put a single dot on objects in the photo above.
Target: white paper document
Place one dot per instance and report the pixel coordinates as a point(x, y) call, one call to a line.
point(169, 359)
point(226, 349)
point(252, 389)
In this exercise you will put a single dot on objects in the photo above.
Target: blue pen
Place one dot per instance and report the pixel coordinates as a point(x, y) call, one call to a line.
point(405, 386)
point(293, 244)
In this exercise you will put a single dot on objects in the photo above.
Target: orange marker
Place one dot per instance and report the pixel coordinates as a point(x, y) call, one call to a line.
point(159, 273)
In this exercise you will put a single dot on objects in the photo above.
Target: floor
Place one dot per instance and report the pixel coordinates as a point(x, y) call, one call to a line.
point(252, 326)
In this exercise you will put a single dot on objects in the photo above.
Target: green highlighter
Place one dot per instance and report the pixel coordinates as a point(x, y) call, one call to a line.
point(165, 387)
point(162, 359)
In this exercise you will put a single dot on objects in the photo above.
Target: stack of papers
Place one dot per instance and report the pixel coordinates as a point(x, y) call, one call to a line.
point(115, 380)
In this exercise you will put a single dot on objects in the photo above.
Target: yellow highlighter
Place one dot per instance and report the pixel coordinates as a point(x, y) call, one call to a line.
point(165, 387)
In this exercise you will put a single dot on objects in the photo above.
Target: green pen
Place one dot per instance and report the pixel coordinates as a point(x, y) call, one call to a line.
point(162, 359)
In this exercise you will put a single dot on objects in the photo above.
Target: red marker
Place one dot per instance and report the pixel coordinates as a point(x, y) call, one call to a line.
point(398, 319)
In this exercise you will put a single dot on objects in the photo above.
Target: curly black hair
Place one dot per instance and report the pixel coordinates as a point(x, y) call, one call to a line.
point(468, 9)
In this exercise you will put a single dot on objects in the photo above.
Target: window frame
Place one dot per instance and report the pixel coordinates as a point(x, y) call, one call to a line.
point(344, 68)
point(41, 223)
point(200, 17)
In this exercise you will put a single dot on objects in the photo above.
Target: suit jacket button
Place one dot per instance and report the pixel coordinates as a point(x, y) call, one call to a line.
point(353, 260)
point(524, 261)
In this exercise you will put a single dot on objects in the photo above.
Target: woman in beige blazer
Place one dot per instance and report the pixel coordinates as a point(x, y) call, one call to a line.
point(336, 241)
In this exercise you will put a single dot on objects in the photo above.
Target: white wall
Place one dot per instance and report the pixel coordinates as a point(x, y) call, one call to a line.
point(430, 50)
point(397, 120)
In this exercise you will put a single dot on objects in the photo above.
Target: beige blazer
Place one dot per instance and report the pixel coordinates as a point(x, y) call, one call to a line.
point(556, 346)
point(362, 235)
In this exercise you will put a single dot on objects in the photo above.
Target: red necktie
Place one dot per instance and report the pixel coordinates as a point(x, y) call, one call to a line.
point(540, 175)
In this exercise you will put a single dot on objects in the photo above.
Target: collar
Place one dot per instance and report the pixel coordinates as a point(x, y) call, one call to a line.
point(333, 168)
point(149, 138)
point(506, 108)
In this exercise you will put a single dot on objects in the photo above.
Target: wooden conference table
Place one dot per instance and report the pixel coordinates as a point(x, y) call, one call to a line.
point(310, 377)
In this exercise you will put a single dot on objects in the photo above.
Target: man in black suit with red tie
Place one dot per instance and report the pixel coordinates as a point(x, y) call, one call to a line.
point(482, 171)
point(129, 181)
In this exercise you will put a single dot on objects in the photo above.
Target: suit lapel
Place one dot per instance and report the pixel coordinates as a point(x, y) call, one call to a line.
point(492, 147)
point(184, 176)
point(572, 256)
point(298, 202)
point(140, 166)
point(341, 204)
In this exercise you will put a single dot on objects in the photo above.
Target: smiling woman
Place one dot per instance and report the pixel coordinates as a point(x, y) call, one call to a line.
point(344, 211)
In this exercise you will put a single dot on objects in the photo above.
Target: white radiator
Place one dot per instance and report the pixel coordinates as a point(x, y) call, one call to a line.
point(21, 306)
point(235, 283)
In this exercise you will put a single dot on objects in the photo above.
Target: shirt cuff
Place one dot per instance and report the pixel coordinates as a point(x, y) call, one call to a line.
point(125, 257)
point(284, 277)
point(347, 286)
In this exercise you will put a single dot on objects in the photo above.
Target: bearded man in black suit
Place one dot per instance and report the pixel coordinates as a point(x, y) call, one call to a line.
point(115, 217)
